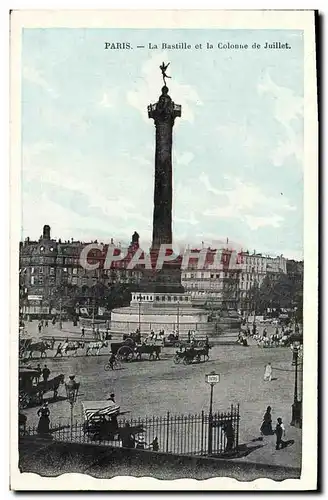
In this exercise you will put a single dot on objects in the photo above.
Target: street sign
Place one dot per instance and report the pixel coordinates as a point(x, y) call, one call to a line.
point(34, 297)
point(212, 378)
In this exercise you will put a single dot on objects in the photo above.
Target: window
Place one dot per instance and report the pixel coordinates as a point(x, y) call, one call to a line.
point(65, 269)
point(169, 298)
point(175, 299)
point(41, 270)
point(52, 271)
point(41, 249)
point(212, 275)
point(51, 249)
point(157, 298)
point(217, 275)
point(32, 280)
point(74, 280)
point(41, 280)
point(32, 270)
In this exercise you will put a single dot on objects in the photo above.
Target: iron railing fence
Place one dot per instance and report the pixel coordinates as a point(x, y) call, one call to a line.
point(176, 434)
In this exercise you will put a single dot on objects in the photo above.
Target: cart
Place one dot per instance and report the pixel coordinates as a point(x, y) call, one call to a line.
point(29, 391)
point(100, 421)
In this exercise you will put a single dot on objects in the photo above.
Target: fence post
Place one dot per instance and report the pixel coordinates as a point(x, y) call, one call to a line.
point(202, 434)
point(167, 432)
point(237, 433)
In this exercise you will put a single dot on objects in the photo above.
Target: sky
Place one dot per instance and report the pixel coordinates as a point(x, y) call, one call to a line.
point(88, 144)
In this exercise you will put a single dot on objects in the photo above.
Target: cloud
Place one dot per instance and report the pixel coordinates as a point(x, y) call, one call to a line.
point(71, 182)
point(185, 158)
point(246, 201)
point(256, 222)
point(108, 98)
point(147, 90)
point(288, 110)
point(35, 76)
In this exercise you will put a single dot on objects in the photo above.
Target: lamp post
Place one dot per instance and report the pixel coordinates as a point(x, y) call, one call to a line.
point(60, 314)
point(72, 389)
point(139, 304)
point(297, 405)
point(178, 317)
point(212, 379)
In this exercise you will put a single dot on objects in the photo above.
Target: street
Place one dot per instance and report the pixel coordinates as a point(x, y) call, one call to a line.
point(148, 388)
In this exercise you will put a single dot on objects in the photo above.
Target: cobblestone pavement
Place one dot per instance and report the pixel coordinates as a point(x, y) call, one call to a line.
point(149, 388)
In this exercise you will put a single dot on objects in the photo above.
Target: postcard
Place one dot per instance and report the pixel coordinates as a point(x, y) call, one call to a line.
point(163, 239)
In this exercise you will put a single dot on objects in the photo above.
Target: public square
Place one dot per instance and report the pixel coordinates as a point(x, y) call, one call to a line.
point(151, 388)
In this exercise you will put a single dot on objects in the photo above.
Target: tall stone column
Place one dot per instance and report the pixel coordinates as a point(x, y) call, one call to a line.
point(167, 279)
point(163, 113)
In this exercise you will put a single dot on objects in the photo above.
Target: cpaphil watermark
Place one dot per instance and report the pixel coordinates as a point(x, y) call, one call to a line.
point(98, 255)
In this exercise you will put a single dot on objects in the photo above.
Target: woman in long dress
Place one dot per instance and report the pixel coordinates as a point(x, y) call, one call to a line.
point(268, 372)
point(44, 421)
point(266, 427)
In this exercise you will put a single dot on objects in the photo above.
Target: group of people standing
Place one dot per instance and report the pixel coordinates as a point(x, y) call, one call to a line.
point(266, 428)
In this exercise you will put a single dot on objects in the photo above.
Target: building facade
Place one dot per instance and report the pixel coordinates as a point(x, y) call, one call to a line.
point(48, 265)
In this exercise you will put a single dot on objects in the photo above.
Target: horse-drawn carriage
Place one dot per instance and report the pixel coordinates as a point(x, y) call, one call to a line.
point(31, 391)
point(28, 388)
point(192, 354)
point(129, 350)
point(100, 422)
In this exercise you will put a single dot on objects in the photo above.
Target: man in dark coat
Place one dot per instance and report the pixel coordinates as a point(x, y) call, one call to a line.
point(45, 373)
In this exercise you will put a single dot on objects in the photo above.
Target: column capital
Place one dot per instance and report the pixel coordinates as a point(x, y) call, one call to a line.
point(164, 109)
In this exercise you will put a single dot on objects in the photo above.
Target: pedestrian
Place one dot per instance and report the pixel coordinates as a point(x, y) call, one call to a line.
point(59, 350)
point(39, 327)
point(45, 373)
point(280, 432)
point(230, 436)
point(189, 335)
point(266, 427)
point(82, 332)
point(46, 323)
point(44, 421)
point(127, 437)
point(111, 397)
point(154, 444)
point(268, 373)
point(38, 369)
point(265, 331)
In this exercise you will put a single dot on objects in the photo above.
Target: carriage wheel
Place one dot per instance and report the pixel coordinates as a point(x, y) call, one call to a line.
point(24, 400)
point(117, 365)
point(129, 341)
point(187, 361)
point(201, 343)
point(107, 367)
point(125, 353)
point(177, 359)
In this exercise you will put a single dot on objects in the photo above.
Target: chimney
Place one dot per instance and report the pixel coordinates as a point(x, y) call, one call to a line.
point(46, 232)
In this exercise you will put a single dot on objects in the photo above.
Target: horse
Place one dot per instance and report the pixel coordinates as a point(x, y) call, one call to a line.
point(40, 347)
point(95, 347)
point(152, 350)
point(72, 346)
point(23, 345)
point(51, 385)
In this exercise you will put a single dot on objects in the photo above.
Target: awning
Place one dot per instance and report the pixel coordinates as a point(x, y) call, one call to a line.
point(99, 408)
